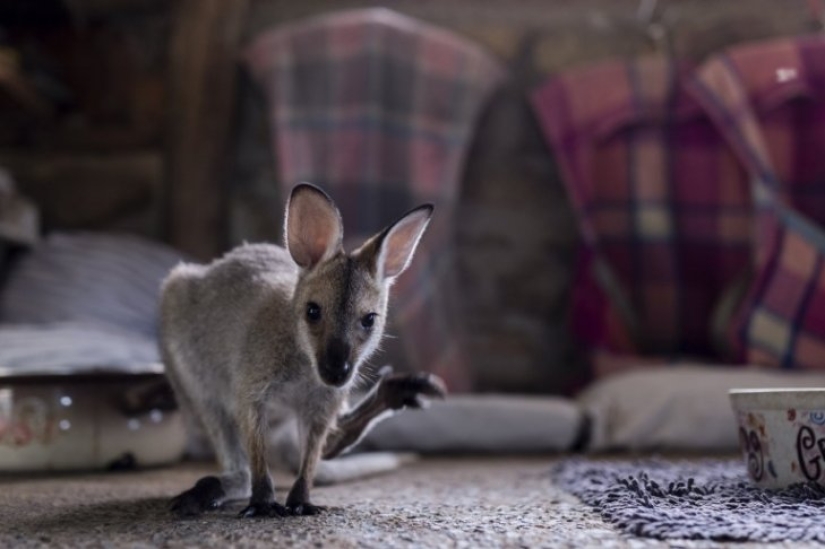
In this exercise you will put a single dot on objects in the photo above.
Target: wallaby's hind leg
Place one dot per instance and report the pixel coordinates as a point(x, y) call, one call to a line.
point(211, 492)
point(232, 484)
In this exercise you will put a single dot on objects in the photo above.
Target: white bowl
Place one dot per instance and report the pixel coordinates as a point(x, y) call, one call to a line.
point(781, 434)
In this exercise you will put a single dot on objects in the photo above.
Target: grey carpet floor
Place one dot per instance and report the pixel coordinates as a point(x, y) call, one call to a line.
point(478, 502)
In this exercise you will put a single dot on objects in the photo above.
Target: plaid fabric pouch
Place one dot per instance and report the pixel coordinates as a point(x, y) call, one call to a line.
point(769, 100)
point(379, 109)
point(663, 206)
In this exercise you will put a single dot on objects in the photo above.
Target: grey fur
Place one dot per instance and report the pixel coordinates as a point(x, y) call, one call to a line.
point(239, 345)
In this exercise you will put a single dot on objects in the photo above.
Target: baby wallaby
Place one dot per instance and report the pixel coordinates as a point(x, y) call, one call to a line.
point(268, 329)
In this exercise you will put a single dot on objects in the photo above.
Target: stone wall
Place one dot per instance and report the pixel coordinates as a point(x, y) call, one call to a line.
point(516, 233)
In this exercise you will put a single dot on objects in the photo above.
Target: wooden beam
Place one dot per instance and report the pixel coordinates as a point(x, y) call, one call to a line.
point(202, 81)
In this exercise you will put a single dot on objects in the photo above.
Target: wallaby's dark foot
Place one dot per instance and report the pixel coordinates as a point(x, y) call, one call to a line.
point(305, 509)
point(207, 494)
point(406, 390)
point(297, 502)
point(262, 510)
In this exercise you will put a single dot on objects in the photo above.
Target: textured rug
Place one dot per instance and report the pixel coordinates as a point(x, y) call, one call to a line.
point(700, 500)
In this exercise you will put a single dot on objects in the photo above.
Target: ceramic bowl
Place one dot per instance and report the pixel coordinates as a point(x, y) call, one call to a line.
point(62, 423)
point(781, 434)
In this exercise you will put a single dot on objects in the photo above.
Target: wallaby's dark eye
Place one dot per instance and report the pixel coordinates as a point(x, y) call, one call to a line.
point(313, 312)
point(368, 320)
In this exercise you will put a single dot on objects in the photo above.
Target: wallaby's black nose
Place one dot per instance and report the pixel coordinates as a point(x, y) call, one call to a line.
point(336, 367)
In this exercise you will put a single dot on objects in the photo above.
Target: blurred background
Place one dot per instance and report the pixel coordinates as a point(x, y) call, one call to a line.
point(167, 121)
point(141, 116)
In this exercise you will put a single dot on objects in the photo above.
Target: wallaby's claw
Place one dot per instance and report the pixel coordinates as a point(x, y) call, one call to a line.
point(433, 386)
point(407, 390)
point(206, 495)
point(305, 509)
point(260, 510)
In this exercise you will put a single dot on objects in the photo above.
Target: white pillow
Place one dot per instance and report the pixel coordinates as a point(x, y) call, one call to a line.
point(89, 278)
point(63, 348)
point(682, 407)
point(499, 424)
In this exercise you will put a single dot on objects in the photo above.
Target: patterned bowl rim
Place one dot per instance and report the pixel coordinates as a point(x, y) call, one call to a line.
point(809, 398)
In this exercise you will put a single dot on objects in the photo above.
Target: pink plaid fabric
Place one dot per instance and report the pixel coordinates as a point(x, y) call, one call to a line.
point(769, 101)
point(663, 206)
point(379, 109)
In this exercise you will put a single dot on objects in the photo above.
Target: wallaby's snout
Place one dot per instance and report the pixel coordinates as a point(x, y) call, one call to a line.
point(335, 366)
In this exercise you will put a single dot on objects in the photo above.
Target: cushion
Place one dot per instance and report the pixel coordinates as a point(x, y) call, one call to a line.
point(782, 320)
point(75, 348)
point(102, 279)
point(498, 424)
point(769, 100)
point(379, 109)
point(662, 202)
point(676, 407)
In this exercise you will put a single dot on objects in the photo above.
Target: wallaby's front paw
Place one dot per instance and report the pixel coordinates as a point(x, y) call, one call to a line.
point(207, 494)
point(260, 510)
point(407, 390)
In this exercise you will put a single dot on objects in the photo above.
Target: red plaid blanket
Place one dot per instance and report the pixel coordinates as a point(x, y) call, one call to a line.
point(769, 101)
point(379, 109)
point(663, 205)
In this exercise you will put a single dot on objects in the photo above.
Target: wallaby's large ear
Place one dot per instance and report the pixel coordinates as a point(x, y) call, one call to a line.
point(313, 229)
point(393, 248)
